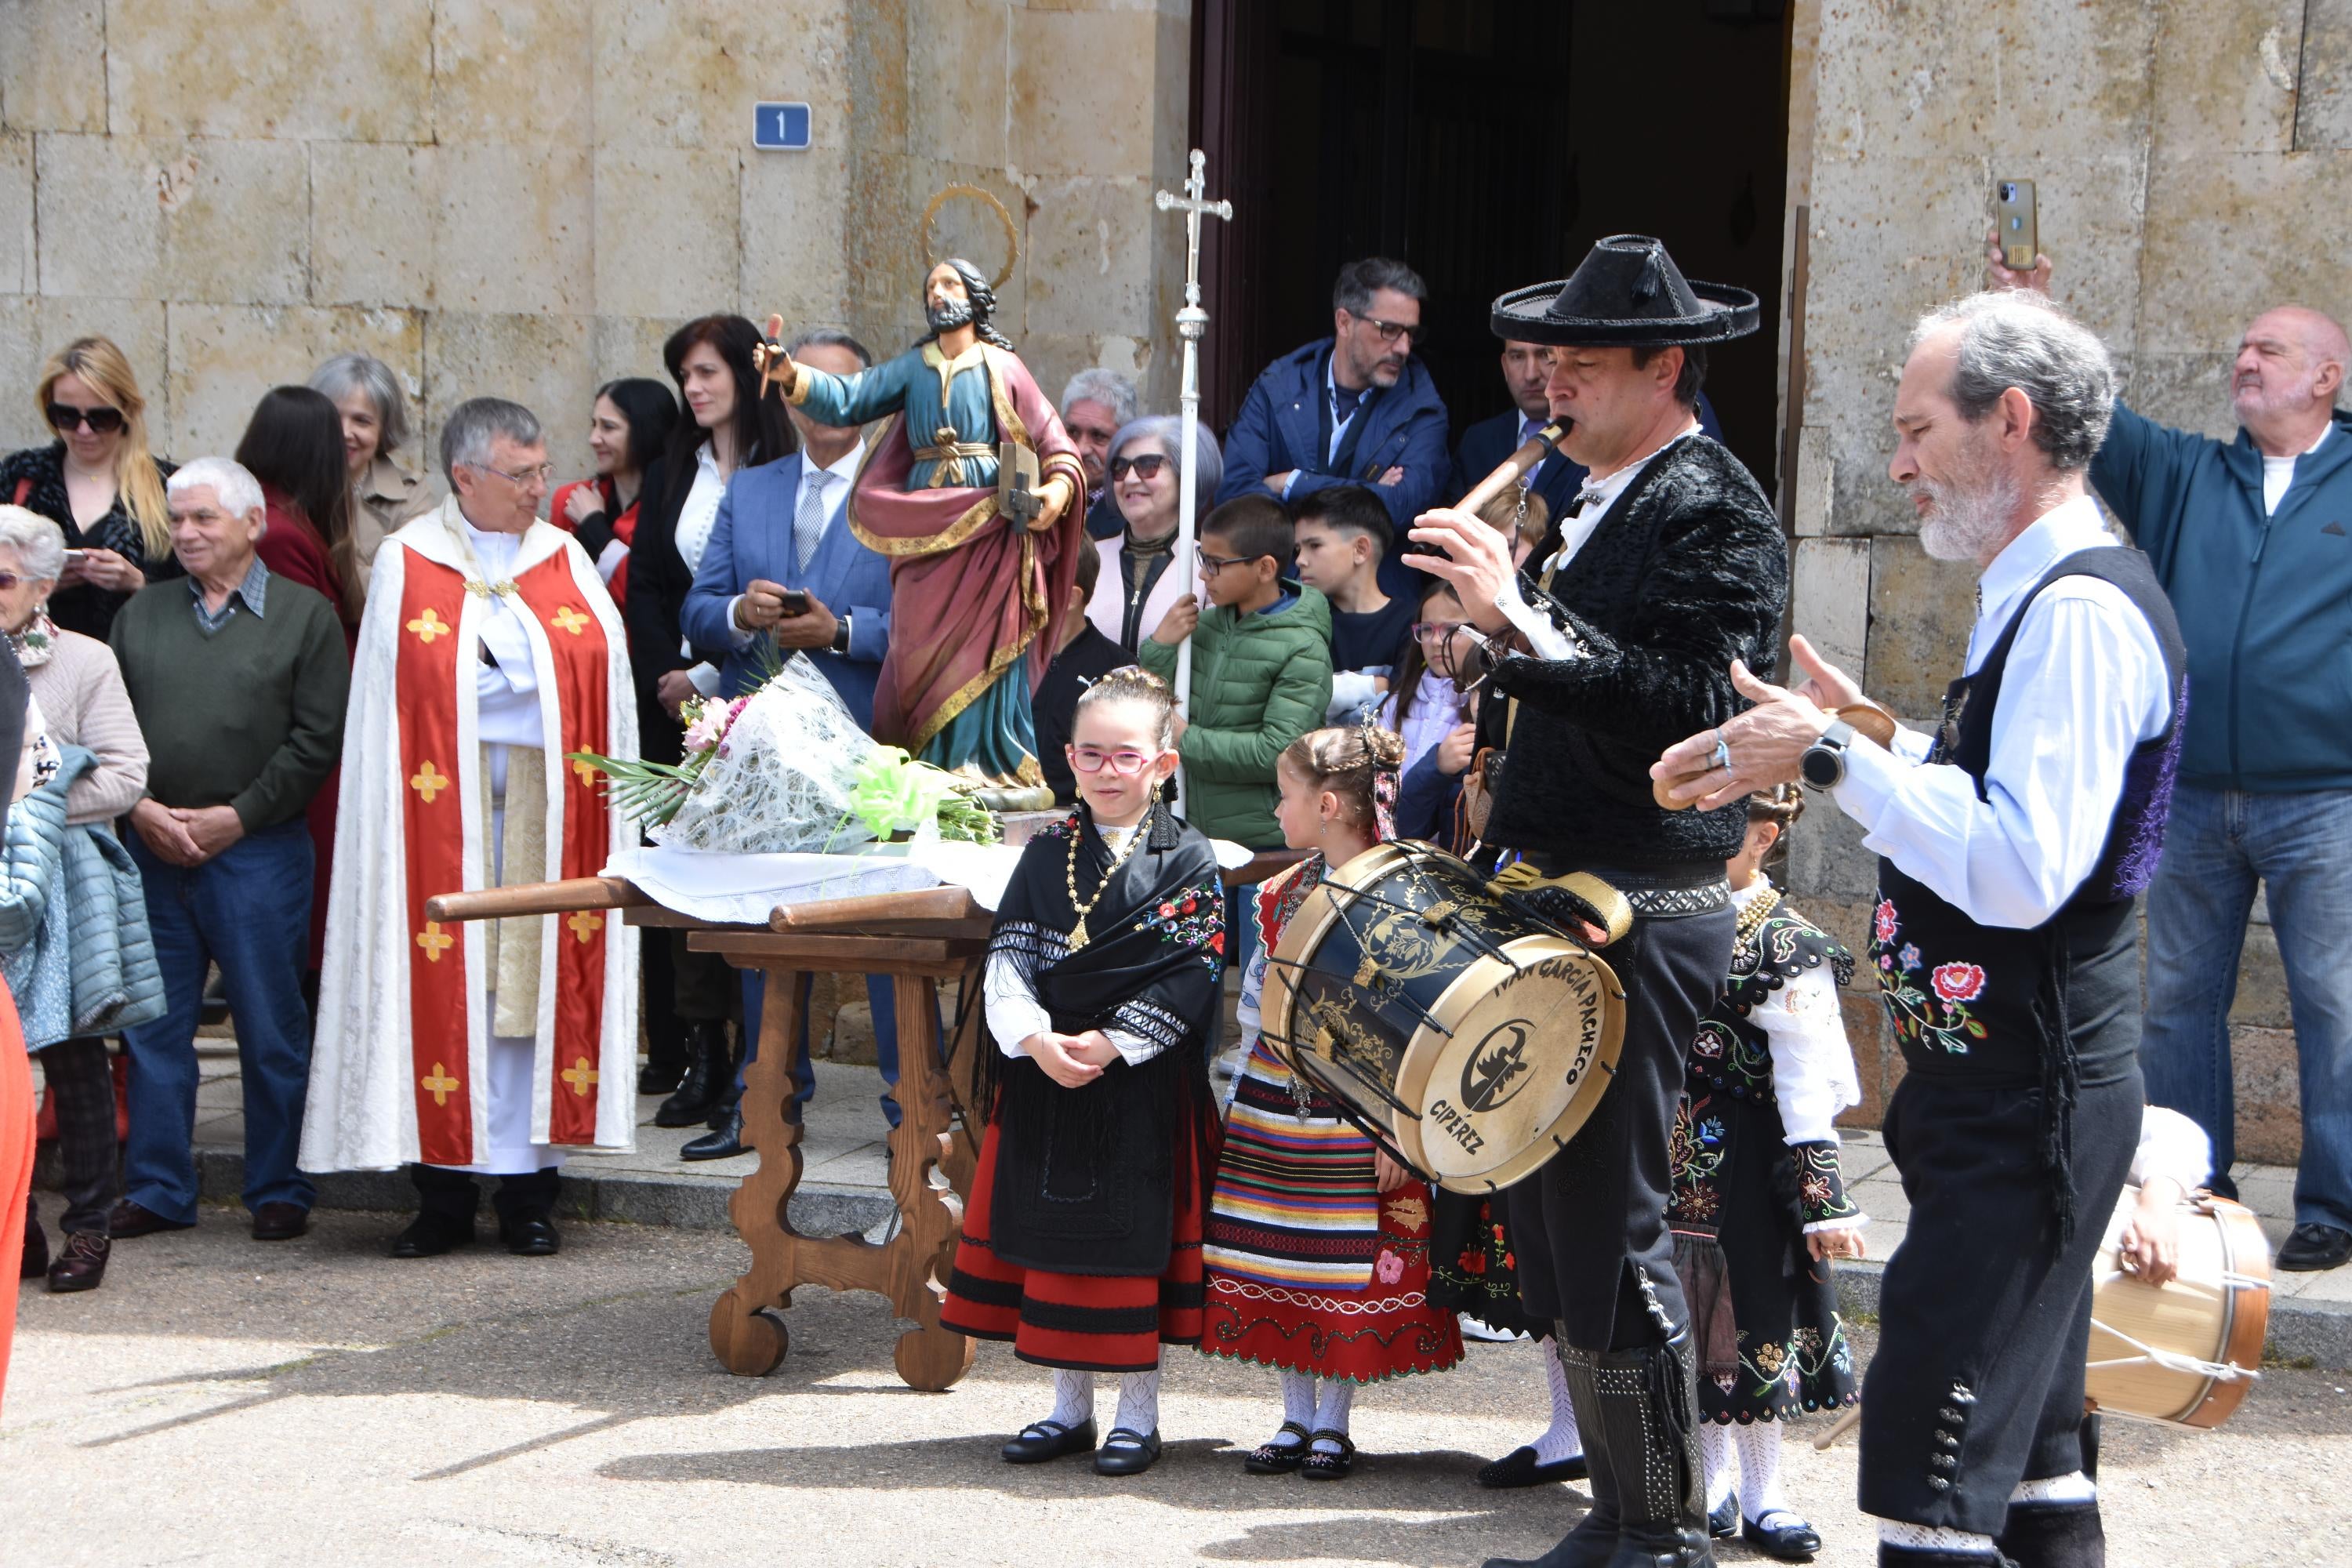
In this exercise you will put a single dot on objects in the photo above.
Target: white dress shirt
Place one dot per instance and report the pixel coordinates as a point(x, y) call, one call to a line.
point(1576, 530)
point(2172, 1145)
point(1011, 1005)
point(2279, 472)
point(695, 518)
point(2084, 687)
point(832, 483)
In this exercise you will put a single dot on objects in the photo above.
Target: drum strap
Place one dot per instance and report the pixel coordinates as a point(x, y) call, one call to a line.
point(1613, 912)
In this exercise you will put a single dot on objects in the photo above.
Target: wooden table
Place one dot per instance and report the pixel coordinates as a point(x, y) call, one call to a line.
point(919, 939)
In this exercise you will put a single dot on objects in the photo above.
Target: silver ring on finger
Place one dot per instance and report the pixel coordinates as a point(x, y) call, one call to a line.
point(1722, 754)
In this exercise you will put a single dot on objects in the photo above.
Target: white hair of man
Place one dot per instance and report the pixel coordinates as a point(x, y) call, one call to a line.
point(474, 424)
point(39, 545)
point(234, 487)
point(1107, 387)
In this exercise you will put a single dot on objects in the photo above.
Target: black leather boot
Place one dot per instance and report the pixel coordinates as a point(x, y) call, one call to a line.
point(2054, 1535)
point(1593, 1543)
point(1649, 1414)
point(709, 1074)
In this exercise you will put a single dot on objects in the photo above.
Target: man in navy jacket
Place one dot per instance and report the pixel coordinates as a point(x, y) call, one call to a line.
point(2252, 540)
point(1354, 408)
point(782, 529)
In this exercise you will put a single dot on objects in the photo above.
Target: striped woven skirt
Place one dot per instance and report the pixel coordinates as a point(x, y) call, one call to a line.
point(1309, 1267)
point(1088, 1322)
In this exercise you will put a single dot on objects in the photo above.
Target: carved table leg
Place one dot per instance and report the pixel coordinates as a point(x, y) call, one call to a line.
point(748, 1339)
point(931, 1213)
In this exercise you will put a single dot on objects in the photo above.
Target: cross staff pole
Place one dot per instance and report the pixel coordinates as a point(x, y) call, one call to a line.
point(1191, 324)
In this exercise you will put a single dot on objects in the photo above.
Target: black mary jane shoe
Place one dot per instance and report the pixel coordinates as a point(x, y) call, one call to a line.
point(1274, 1458)
point(1319, 1466)
point(1790, 1540)
point(1043, 1440)
point(1723, 1522)
point(1126, 1452)
point(1520, 1467)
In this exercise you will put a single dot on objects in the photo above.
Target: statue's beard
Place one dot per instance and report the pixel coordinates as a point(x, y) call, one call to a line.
point(947, 315)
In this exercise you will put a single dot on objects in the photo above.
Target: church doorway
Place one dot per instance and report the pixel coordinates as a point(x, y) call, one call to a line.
point(1487, 143)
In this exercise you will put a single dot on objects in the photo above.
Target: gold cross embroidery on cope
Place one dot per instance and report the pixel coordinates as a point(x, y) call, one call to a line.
point(586, 771)
point(428, 781)
point(438, 1084)
point(570, 619)
point(432, 939)
point(429, 626)
point(585, 925)
point(578, 1075)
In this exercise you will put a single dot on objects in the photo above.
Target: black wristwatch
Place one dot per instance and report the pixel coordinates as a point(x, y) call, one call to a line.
point(1824, 763)
point(841, 635)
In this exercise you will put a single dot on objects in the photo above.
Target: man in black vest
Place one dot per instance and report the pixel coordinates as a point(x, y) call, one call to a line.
point(1669, 567)
point(2014, 845)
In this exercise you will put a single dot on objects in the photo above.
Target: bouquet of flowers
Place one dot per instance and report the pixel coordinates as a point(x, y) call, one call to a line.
point(786, 767)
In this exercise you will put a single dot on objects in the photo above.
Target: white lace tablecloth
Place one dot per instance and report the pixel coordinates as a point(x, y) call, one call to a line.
point(744, 890)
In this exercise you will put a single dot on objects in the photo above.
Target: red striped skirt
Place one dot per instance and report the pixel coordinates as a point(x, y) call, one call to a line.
point(1088, 1322)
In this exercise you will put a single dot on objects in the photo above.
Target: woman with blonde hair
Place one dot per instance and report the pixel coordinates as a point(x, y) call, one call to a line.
point(98, 482)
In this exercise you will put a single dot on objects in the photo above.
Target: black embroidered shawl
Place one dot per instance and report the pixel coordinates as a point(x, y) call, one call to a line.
point(1086, 1177)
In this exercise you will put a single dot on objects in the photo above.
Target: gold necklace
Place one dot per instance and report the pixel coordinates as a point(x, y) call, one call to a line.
point(1078, 937)
point(1751, 919)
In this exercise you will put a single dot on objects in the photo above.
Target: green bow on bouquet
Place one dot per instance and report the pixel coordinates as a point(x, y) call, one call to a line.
point(893, 793)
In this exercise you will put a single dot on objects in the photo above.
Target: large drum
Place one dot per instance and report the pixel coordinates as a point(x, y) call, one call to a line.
point(2183, 1352)
point(1460, 1032)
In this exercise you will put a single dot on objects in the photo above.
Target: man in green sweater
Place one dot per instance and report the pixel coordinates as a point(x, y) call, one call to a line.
point(238, 680)
point(1261, 678)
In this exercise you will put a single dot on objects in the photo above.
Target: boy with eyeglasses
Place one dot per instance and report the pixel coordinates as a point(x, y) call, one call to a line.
point(1261, 675)
point(1341, 535)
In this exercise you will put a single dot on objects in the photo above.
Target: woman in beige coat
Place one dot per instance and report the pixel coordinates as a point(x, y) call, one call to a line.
point(79, 689)
point(375, 426)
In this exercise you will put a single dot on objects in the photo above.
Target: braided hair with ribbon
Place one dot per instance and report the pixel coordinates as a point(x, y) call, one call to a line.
point(1361, 763)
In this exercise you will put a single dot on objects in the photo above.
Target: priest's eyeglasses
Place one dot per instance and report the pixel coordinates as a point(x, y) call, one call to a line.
point(1126, 764)
point(528, 478)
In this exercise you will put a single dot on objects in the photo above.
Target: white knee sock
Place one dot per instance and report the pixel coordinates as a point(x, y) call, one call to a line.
point(1074, 1397)
point(1714, 1454)
point(1760, 1470)
point(1139, 1401)
point(1335, 1396)
point(1298, 1405)
point(2075, 1487)
point(1935, 1538)
point(1560, 1440)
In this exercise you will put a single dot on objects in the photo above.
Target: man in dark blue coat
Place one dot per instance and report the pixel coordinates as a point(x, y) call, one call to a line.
point(1354, 408)
point(1525, 367)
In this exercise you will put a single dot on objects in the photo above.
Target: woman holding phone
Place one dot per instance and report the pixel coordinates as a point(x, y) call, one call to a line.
point(98, 482)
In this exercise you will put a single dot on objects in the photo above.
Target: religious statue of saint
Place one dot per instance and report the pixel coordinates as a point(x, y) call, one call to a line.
point(968, 491)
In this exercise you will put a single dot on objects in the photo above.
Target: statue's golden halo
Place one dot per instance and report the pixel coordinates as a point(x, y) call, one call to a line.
point(1012, 237)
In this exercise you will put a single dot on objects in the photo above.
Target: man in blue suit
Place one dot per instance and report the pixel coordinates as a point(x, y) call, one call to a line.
point(1525, 368)
point(1354, 408)
point(781, 563)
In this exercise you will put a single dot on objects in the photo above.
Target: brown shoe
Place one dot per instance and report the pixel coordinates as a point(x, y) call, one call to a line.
point(130, 1219)
point(279, 1222)
point(83, 1265)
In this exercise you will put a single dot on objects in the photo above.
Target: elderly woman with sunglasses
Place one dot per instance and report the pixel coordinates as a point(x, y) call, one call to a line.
point(88, 967)
point(98, 482)
point(1136, 588)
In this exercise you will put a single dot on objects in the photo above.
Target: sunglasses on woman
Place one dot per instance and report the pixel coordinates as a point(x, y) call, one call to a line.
point(1143, 465)
point(64, 416)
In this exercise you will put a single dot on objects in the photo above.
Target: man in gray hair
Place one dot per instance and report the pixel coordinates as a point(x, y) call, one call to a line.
point(490, 655)
point(1095, 404)
point(2014, 843)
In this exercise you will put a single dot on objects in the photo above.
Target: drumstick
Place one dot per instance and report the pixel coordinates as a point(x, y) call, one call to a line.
point(1845, 1424)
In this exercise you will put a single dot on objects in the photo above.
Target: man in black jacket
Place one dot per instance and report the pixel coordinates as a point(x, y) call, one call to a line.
point(1668, 564)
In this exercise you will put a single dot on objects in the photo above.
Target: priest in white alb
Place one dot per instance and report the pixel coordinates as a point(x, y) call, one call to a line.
point(488, 654)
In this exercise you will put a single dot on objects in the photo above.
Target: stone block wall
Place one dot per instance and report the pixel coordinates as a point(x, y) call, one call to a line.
point(524, 197)
point(2192, 160)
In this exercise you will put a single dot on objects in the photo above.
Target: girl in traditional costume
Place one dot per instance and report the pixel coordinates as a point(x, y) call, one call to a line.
point(1082, 1242)
point(1318, 1243)
point(1757, 1206)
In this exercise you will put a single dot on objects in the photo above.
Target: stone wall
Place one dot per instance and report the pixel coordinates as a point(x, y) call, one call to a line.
point(2192, 157)
point(524, 197)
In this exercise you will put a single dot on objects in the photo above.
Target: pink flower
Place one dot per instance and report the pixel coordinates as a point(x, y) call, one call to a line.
point(1882, 920)
point(705, 732)
point(1390, 1268)
point(1958, 983)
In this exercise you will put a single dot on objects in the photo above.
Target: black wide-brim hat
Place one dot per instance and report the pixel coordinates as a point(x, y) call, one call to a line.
point(1627, 291)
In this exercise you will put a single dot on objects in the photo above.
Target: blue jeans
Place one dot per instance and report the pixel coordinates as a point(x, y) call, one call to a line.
point(249, 911)
point(881, 996)
point(2219, 842)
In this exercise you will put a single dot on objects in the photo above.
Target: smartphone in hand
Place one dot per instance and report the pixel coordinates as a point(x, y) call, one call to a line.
point(2014, 221)
point(796, 602)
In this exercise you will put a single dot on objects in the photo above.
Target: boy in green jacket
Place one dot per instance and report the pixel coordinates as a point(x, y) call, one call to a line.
point(1261, 676)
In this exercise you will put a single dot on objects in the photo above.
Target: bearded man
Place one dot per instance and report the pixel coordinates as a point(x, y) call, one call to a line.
point(972, 590)
point(2013, 844)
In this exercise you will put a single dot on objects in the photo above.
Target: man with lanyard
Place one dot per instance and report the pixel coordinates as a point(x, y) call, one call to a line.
point(1670, 569)
point(2014, 845)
